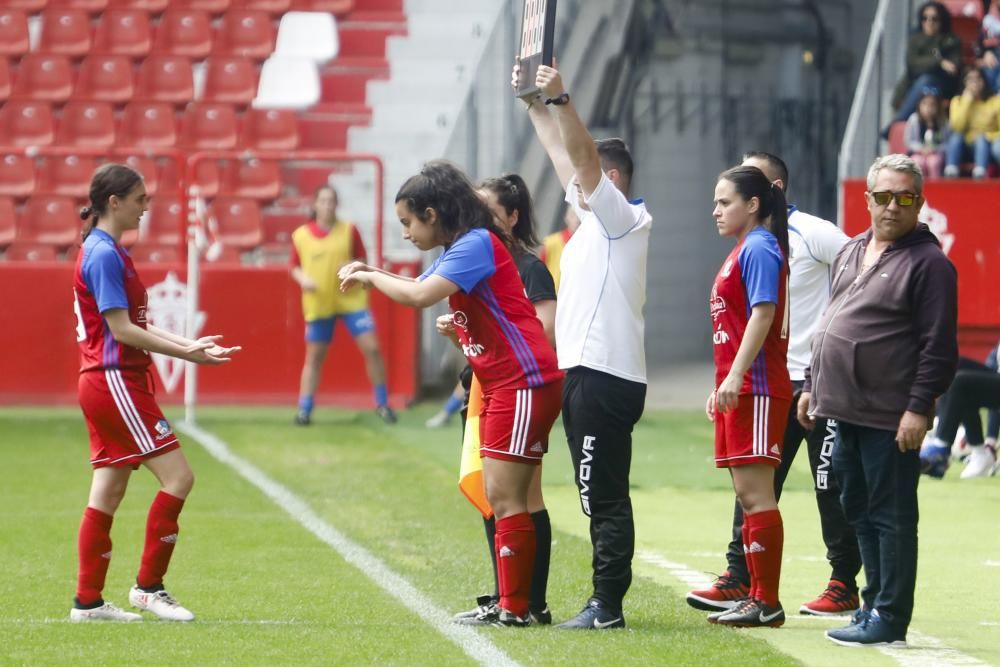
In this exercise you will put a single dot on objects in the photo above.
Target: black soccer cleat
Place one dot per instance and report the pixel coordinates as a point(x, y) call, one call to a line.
point(594, 617)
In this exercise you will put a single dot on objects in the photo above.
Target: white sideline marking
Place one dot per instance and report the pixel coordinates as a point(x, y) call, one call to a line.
point(992, 563)
point(921, 651)
point(477, 647)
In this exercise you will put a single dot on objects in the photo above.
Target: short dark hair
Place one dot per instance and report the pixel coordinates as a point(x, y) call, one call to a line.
point(614, 154)
point(773, 161)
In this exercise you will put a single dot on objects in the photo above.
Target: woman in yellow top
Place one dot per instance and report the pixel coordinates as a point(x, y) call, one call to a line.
point(319, 249)
point(975, 126)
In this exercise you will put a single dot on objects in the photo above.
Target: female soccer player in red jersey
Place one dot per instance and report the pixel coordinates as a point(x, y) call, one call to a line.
point(749, 406)
point(498, 330)
point(126, 427)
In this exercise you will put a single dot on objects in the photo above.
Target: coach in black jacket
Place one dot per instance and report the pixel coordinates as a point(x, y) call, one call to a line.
point(885, 349)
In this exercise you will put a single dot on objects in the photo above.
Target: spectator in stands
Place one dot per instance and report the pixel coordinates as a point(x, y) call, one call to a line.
point(933, 56)
point(319, 249)
point(926, 135)
point(885, 350)
point(975, 126)
point(975, 386)
point(553, 244)
point(988, 46)
point(499, 332)
point(510, 200)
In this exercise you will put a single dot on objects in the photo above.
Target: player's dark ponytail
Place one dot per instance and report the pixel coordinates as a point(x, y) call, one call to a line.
point(109, 179)
point(442, 186)
point(751, 182)
point(512, 193)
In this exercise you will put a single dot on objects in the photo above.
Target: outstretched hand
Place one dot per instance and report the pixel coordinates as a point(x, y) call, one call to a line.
point(206, 350)
point(549, 81)
point(351, 267)
point(358, 277)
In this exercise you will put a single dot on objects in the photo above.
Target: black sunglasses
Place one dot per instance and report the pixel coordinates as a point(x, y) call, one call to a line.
point(933, 18)
point(902, 198)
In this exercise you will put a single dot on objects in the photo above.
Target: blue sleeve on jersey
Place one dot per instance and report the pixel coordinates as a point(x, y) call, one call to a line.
point(760, 265)
point(104, 274)
point(468, 261)
point(430, 269)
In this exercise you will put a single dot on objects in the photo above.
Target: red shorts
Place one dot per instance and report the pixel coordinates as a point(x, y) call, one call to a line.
point(124, 421)
point(515, 423)
point(752, 433)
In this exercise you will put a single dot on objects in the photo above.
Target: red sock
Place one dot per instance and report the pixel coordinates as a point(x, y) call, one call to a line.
point(515, 560)
point(746, 555)
point(94, 548)
point(161, 535)
point(767, 537)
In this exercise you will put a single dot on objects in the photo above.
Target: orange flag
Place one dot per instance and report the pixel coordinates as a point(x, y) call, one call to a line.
point(470, 476)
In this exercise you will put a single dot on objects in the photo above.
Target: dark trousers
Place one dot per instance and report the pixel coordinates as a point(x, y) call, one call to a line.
point(878, 486)
point(975, 386)
point(838, 536)
point(599, 412)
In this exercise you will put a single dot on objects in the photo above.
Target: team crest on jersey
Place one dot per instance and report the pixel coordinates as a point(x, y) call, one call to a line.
point(163, 429)
point(167, 309)
point(461, 319)
point(716, 305)
point(727, 268)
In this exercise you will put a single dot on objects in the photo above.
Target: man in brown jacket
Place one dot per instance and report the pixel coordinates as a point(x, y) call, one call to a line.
point(884, 350)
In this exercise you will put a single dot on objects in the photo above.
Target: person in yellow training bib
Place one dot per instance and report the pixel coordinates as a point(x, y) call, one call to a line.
point(553, 244)
point(319, 249)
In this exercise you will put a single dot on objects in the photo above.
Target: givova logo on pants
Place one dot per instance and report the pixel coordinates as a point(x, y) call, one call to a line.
point(584, 472)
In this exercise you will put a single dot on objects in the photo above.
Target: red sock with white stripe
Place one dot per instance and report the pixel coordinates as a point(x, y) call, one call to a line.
point(746, 556)
point(767, 537)
point(515, 546)
point(161, 535)
point(94, 549)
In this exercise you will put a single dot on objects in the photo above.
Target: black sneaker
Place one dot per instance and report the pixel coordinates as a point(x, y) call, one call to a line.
point(386, 413)
point(594, 617)
point(499, 617)
point(541, 616)
point(484, 603)
point(303, 419)
point(753, 614)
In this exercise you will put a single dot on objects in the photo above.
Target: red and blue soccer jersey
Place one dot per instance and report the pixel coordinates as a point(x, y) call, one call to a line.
point(755, 272)
point(105, 278)
point(496, 325)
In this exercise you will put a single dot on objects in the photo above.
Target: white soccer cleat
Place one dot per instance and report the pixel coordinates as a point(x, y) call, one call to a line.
point(439, 420)
point(106, 612)
point(982, 462)
point(160, 603)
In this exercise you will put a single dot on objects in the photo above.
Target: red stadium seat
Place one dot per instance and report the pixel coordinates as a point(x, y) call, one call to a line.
point(31, 252)
point(209, 126)
point(166, 79)
point(155, 254)
point(164, 223)
point(8, 227)
point(65, 32)
point(148, 124)
point(124, 32)
point(273, 7)
point(210, 6)
point(90, 124)
point(270, 129)
point(147, 169)
point(27, 6)
point(17, 175)
point(184, 32)
point(105, 78)
point(253, 179)
point(338, 7)
point(149, 6)
point(239, 222)
point(67, 175)
point(205, 178)
point(245, 33)
point(13, 32)
point(26, 123)
point(279, 228)
point(5, 84)
point(897, 144)
point(49, 219)
point(89, 6)
point(44, 77)
point(230, 80)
